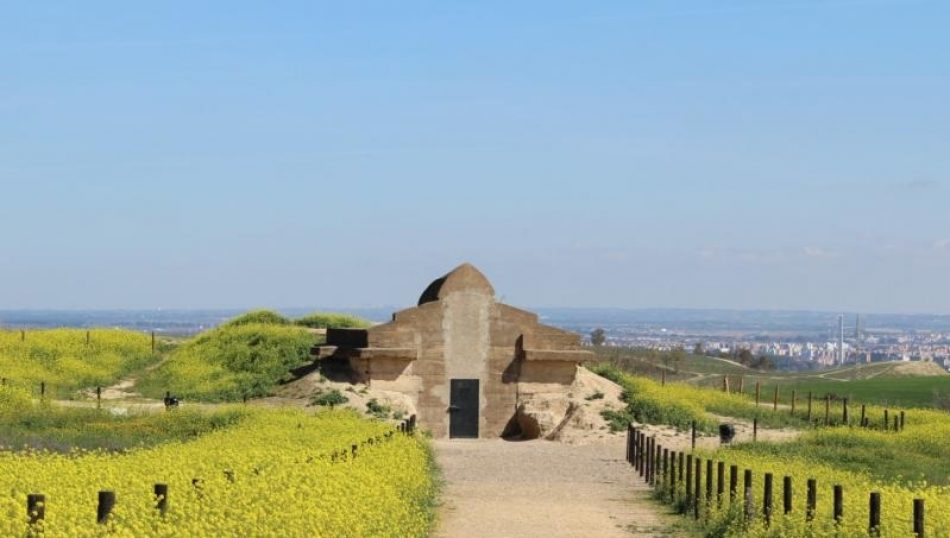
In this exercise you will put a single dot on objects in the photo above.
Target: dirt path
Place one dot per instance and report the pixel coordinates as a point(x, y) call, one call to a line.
point(542, 489)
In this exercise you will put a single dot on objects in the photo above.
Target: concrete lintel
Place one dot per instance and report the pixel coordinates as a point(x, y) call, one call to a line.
point(557, 355)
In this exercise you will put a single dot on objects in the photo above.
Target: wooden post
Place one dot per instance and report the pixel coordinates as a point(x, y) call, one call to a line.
point(709, 481)
point(811, 499)
point(353, 449)
point(747, 490)
point(775, 399)
point(161, 498)
point(641, 457)
point(902, 421)
point(87, 338)
point(767, 499)
point(651, 460)
point(98, 397)
point(699, 481)
point(733, 482)
point(689, 480)
point(863, 415)
point(680, 457)
point(42, 389)
point(725, 384)
point(153, 341)
point(106, 503)
point(827, 409)
point(809, 406)
point(793, 402)
point(844, 412)
point(629, 440)
point(887, 422)
point(896, 422)
point(672, 479)
point(633, 446)
point(694, 435)
point(741, 383)
point(663, 378)
point(656, 464)
point(755, 429)
point(839, 503)
point(787, 495)
point(36, 507)
point(758, 388)
point(874, 513)
point(720, 481)
point(664, 466)
point(919, 518)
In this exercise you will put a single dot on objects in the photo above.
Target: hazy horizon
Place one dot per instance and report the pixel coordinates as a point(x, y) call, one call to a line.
point(746, 156)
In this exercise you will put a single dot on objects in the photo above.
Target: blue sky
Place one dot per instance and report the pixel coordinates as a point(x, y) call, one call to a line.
point(737, 154)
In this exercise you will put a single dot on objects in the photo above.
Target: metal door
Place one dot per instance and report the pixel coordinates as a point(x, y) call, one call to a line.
point(463, 408)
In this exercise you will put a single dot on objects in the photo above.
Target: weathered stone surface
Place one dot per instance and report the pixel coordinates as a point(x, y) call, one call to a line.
point(459, 331)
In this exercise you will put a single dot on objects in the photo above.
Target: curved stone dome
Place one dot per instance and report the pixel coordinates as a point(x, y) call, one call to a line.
point(465, 277)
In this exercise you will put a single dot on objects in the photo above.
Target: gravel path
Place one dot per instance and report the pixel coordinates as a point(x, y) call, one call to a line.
point(544, 489)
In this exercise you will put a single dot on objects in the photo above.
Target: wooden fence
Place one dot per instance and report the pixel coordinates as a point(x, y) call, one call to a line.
point(663, 469)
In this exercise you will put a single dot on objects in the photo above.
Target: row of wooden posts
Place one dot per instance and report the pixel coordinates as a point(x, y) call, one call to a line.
point(865, 421)
point(36, 502)
point(88, 338)
point(664, 468)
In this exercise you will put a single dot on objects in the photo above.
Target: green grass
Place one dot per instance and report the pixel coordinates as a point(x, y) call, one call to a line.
point(905, 391)
point(885, 384)
point(328, 320)
point(230, 362)
point(674, 366)
point(27, 424)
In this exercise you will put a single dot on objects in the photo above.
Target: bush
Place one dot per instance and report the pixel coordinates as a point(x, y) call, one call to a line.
point(231, 362)
point(331, 399)
point(262, 317)
point(377, 409)
point(329, 320)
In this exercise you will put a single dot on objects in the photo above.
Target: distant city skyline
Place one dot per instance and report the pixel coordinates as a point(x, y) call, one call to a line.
point(747, 155)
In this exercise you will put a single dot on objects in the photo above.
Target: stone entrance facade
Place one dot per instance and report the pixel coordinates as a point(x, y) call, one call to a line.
point(457, 335)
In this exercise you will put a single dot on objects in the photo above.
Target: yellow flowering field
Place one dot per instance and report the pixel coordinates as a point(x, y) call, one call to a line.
point(896, 500)
point(272, 474)
point(66, 361)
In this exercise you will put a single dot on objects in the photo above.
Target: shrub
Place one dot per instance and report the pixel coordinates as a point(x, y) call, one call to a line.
point(597, 395)
point(329, 399)
point(329, 320)
point(377, 409)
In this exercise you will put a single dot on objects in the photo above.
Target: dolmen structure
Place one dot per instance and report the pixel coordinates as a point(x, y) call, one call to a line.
point(467, 362)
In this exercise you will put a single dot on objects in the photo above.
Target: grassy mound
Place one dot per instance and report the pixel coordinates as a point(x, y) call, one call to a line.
point(230, 362)
point(258, 317)
point(330, 320)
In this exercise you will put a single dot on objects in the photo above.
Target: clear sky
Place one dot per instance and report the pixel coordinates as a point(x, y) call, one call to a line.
point(739, 154)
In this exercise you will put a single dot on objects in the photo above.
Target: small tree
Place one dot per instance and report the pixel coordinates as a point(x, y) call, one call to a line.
point(698, 349)
point(598, 337)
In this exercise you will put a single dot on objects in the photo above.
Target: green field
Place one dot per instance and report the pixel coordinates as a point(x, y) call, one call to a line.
point(886, 383)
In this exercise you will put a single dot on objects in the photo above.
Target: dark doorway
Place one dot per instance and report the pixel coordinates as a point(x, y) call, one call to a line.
point(463, 409)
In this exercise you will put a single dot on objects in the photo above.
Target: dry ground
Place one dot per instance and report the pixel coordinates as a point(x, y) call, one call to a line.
point(543, 489)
